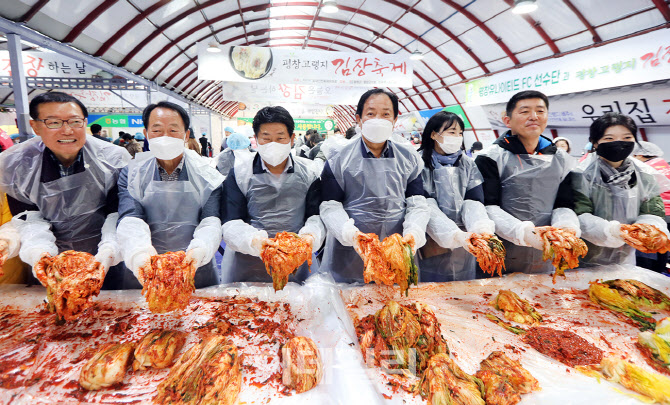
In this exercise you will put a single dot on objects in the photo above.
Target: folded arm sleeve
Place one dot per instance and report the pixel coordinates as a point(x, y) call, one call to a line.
point(207, 236)
point(337, 221)
point(508, 227)
point(109, 240)
point(441, 228)
point(475, 218)
point(314, 226)
point(600, 231)
point(416, 218)
point(565, 218)
point(240, 236)
point(36, 237)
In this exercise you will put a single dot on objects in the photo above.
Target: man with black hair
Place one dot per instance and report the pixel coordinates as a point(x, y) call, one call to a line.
point(266, 193)
point(95, 130)
point(203, 144)
point(62, 184)
point(371, 185)
point(526, 183)
point(169, 200)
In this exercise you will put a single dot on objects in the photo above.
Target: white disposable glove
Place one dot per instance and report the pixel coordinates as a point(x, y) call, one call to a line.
point(10, 240)
point(109, 249)
point(136, 244)
point(314, 229)
point(655, 220)
point(442, 229)
point(510, 228)
point(416, 220)
point(565, 218)
point(475, 218)
point(601, 232)
point(206, 241)
point(244, 238)
point(530, 237)
point(337, 222)
point(37, 240)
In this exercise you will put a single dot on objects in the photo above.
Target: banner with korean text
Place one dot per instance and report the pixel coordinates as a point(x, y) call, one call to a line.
point(51, 64)
point(647, 106)
point(291, 66)
point(640, 59)
point(324, 94)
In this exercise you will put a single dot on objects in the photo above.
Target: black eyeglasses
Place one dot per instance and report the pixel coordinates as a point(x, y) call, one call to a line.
point(55, 123)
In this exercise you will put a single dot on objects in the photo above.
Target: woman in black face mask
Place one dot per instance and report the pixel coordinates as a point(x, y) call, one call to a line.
point(611, 188)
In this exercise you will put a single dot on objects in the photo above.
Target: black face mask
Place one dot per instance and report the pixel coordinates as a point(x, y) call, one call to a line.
point(615, 151)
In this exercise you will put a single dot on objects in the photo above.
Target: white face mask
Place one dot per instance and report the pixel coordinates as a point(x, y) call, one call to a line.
point(166, 147)
point(274, 153)
point(377, 130)
point(451, 144)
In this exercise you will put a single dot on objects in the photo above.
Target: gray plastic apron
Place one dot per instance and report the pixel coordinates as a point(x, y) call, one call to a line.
point(274, 205)
point(74, 205)
point(613, 204)
point(448, 185)
point(225, 161)
point(374, 198)
point(529, 187)
point(172, 208)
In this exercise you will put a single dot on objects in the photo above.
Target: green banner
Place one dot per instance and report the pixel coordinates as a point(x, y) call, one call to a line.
point(303, 124)
point(116, 120)
point(458, 110)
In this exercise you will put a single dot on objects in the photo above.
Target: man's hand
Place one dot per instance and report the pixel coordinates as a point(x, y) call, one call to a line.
point(309, 238)
point(533, 239)
point(195, 257)
point(105, 257)
point(4, 253)
point(357, 243)
point(40, 268)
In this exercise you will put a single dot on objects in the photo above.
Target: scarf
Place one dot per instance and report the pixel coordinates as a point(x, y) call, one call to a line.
point(619, 177)
point(445, 160)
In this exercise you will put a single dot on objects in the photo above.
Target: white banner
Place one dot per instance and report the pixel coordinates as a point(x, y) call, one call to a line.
point(648, 107)
point(641, 59)
point(49, 64)
point(290, 66)
point(298, 93)
point(295, 109)
point(106, 98)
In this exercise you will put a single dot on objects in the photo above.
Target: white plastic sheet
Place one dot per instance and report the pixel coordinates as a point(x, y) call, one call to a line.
point(472, 337)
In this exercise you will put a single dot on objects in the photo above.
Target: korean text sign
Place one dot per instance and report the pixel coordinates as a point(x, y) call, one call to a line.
point(291, 66)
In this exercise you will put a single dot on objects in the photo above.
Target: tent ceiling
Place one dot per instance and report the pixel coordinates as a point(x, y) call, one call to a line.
point(460, 39)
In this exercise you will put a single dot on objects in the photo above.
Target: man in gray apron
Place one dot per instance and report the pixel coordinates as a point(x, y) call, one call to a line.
point(525, 183)
point(371, 184)
point(62, 184)
point(265, 193)
point(169, 200)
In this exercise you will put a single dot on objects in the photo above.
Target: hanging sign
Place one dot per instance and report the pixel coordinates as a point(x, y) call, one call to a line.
point(640, 59)
point(106, 98)
point(301, 124)
point(290, 66)
point(295, 109)
point(51, 64)
point(297, 93)
point(648, 107)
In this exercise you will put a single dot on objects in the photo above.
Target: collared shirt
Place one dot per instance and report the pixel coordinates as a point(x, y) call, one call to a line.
point(386, 153)
point(174, 176)
point(276, 180)
point(70, 170)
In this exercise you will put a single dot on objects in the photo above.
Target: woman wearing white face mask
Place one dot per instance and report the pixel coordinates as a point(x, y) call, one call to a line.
point(266, 193)
point(453, 186)
point(371, 185)
point(169, 200)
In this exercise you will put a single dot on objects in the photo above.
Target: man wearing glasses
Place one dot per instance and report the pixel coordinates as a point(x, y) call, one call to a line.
point(62, 184)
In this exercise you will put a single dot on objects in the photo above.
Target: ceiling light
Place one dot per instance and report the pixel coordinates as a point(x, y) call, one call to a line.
point(524, 6)
point(330, 6)
point(416, 55)
point(214, 48)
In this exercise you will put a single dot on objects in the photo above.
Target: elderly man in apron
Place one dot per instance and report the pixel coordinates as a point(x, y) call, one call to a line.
point(526, 183)
point(62, 185)
point(371, 184)
point(269, 192)
point(169, 200)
